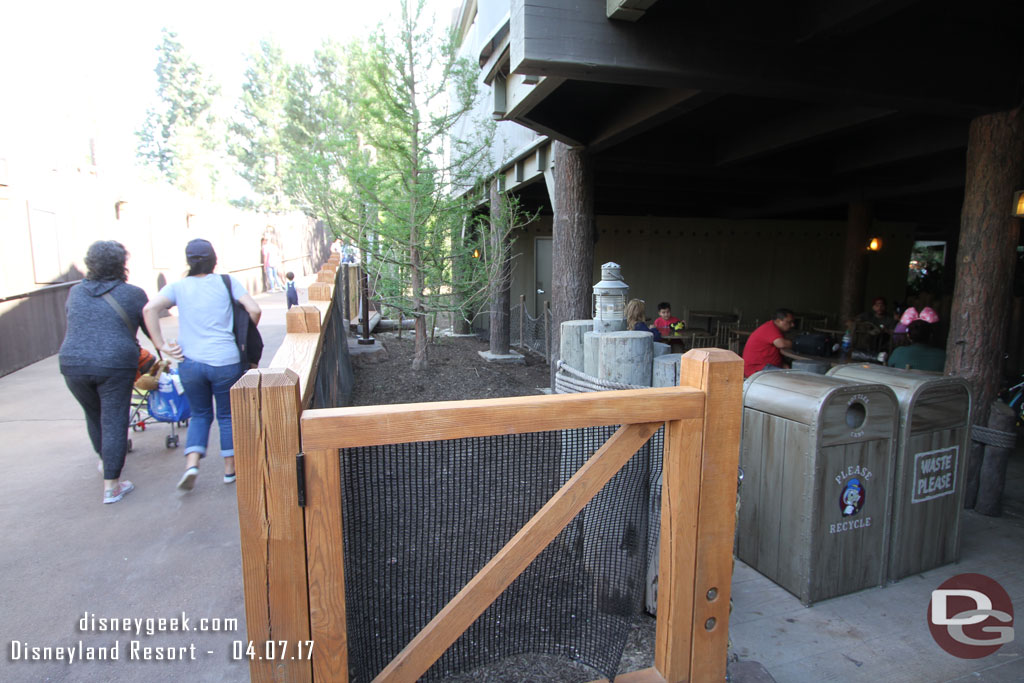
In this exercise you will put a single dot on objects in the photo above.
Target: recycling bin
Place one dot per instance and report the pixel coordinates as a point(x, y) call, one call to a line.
point(817, 454)
point(931, 461)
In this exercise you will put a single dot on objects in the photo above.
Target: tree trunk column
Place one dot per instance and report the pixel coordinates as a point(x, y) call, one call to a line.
point(858, 221)
point(572, 244)
point(501, 283)
point(986, 257)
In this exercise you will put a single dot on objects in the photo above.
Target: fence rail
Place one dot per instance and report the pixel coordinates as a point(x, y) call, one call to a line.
point(292, 545)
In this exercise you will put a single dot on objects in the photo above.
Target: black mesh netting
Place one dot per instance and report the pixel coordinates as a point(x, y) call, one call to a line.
point(422, 518)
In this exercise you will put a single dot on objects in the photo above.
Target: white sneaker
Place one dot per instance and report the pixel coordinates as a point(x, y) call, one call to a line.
point(118, 492)
point(188, 480)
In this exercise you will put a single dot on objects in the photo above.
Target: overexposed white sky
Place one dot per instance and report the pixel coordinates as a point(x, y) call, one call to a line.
point(75, 70)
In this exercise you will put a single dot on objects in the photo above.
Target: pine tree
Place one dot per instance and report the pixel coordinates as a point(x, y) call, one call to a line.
point(413, 90)
point(257, 129)
point(371, 150)
point(180, 138)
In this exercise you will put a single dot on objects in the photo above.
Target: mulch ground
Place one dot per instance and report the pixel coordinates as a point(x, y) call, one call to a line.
point(455, 372)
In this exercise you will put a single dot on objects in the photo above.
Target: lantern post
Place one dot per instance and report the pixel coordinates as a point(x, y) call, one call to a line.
point(610, 300)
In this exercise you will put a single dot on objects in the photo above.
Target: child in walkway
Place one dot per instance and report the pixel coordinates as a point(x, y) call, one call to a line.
point(290, 292)
point(665, 319)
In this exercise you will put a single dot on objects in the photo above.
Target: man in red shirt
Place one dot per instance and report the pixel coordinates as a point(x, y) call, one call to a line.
point(763, 348)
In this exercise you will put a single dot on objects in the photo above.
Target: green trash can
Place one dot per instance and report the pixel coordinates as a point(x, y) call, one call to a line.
point(817, 454)
point(931, 461)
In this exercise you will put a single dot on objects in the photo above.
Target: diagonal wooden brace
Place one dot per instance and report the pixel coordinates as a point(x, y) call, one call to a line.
point(484, 588)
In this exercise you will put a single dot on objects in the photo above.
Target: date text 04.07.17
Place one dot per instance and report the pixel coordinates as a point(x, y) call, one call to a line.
point(271, 649)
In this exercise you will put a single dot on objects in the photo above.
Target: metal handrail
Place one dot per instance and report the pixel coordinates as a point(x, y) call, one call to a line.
point(41, 290)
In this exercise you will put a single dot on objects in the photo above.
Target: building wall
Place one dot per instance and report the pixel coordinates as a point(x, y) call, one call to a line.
point(509, 138)
point(700, 264)
point(707, 264)
point(49, 217)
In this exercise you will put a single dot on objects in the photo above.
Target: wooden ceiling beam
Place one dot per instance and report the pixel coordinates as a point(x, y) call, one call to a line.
point(795, 131)
point(822, 19)
point(953, 72)
point(945, 180)
point(679, 170)
point(643, 113)
point(627, 10)
point(889, 149)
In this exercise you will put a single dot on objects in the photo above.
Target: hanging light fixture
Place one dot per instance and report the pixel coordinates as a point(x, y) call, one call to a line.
point(610, 300)
point(875, 244)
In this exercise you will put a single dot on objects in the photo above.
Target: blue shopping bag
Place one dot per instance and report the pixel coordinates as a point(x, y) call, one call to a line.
point(168, 402)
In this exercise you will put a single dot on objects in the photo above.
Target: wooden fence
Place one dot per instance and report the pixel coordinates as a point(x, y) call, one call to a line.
point(32, 325)
point(290, 510)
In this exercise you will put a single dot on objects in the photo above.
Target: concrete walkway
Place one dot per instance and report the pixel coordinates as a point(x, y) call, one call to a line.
point(160, 555)
point(155, 555)
point(880, 635)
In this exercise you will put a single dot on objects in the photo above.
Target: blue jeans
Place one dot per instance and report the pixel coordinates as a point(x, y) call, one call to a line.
point(204, 385)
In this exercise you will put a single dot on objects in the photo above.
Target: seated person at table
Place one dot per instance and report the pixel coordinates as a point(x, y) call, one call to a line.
point(878, 315)
point(636, 319)
point(764, 347)
point(919, 355)
point(665, 318)
point(927, 314)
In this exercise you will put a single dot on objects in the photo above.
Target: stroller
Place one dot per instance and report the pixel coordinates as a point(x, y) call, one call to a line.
point(158, 397)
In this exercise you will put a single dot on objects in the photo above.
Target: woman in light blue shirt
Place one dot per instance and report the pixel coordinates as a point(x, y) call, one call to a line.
point(209, 359)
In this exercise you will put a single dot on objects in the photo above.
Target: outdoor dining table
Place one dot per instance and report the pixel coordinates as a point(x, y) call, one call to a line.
point(831, 361)
point(676, 341)
point(712, 316)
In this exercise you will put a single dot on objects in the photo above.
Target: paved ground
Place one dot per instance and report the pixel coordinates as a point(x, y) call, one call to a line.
point(155, 555)
point(880, 635)
point(159, 555)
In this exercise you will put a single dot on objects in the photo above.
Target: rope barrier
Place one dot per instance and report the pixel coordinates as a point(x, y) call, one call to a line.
point(569, 380)
point(993, 437)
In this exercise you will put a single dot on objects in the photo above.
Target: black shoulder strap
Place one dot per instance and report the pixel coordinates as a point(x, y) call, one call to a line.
point(117, 307)
point(227, 283)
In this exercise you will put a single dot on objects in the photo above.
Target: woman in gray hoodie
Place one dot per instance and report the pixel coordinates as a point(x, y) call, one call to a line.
point(100, 356)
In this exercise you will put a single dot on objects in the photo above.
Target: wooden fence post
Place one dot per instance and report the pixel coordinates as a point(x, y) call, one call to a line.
point(265, 412)
point(696, 560)
point(326, 575)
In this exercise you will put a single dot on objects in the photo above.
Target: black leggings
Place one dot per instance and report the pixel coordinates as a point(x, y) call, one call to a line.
point(106, 402)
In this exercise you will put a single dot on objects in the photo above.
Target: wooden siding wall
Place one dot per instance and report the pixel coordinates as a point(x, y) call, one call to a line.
point(755, 266)
point(32, 328)
point(50, 218)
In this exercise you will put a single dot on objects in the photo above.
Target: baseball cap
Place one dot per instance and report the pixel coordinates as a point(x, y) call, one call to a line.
point(199, 250)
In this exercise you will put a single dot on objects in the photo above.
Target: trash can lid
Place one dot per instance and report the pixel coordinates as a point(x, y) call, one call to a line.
point(910, 386)
point(803, 397)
